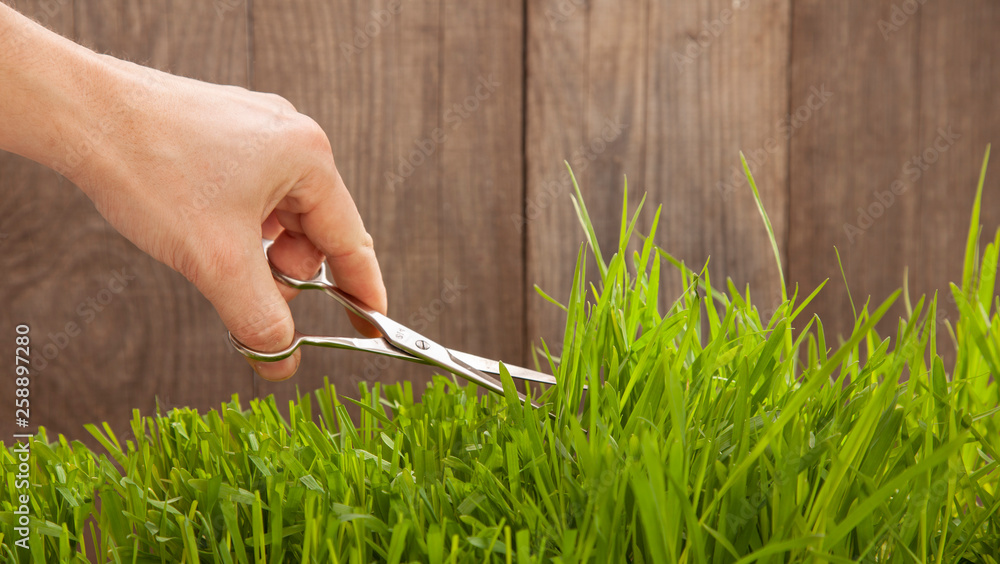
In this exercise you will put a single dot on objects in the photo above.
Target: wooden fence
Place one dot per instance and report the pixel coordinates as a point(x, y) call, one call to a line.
point(864, 122)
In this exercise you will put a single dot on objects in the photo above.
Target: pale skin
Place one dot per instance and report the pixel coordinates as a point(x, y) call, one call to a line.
point(193, 174)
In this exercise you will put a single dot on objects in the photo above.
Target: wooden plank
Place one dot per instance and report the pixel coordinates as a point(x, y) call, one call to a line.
point(136, 31)
point(481, 250)
point(154, 337)
point(690, 95)
point(209, 40)
point(718, 86)
point(586, 94)
point(958, 73)
point(556, 101)
point(854, 147)
point(430, 180)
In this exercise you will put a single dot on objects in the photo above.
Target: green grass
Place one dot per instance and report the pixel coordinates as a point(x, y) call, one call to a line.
point(708, 434)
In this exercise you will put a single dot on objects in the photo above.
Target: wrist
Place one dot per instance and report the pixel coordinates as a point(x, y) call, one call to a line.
point(57, 107)
point(79, 128)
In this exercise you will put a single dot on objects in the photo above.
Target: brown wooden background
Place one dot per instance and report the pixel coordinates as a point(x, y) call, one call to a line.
point(667, 92)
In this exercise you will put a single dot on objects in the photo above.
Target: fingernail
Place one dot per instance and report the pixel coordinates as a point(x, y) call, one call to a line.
point(276, 371)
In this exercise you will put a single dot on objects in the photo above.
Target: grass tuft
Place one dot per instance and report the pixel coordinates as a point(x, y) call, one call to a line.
point(707, 433)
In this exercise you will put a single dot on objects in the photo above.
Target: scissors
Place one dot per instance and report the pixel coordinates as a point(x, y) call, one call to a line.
point(397, 340)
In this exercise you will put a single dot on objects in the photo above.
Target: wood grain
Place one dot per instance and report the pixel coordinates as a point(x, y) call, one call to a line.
point(586, 106)
point(480, 249)
point(142, 332)
point(556, 103)
point(717, 86)
point(958, 77)
point(689, 96)
point(435, 183)
point(450, 123)
point(859, 180)
point(853, 147)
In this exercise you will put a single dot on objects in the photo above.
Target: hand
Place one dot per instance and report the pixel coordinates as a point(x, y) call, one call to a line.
point(194, 174)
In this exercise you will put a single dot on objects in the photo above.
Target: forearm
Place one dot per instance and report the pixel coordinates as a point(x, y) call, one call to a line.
point(49, 87)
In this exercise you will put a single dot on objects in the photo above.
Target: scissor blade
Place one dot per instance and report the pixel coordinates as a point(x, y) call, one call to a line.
point(381, 346)
point(493, 367)
point(376, 345)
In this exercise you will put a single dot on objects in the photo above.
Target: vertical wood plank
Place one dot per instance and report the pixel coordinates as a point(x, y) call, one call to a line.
point(959, 74)
point(693, 84)
point(718, 86)
point(556, 103)
point(854, 147)
point(603, 47)
point(142, 331)
point(430, 179)
point(480, 249)
point(586, 107)
point(209, 40)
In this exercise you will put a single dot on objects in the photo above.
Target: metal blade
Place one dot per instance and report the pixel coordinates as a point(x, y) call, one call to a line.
point(493, 367)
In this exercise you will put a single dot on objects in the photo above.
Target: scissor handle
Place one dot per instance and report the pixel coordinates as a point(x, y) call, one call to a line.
point(321, 281)
point(255, 354)
point(376, 346)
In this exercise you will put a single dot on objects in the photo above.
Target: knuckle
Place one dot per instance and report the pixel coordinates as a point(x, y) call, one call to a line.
point(313, 136)
point(217, 262)
point(264, 328)
point(205, 266)
point(367, 242)
point(281, 102)
point(344, 248)
point(185, 259)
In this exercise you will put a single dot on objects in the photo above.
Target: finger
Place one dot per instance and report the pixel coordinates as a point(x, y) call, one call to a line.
point(239, 284)
point(332, 222)
point(294, 254)
point(271, 227)
point(289, 220)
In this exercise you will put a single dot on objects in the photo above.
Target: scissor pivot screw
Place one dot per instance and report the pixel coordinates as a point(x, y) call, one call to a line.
point(422, 344)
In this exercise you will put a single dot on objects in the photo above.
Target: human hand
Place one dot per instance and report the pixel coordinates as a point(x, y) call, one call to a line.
point(195, 174)
point(192, 173)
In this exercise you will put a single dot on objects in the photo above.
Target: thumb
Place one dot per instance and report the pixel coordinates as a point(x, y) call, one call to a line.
point(240, 286)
